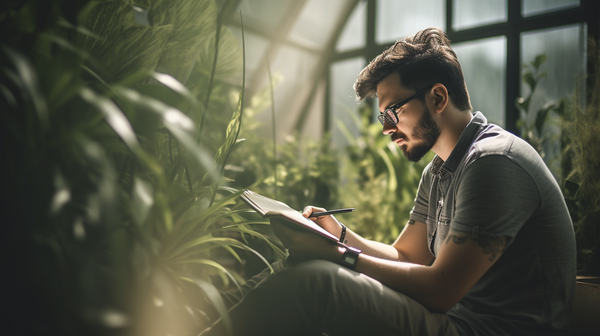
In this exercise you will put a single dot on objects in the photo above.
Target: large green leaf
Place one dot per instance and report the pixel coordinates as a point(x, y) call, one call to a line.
point(114, 117)
point(178, 124)
point(193, 22)
point(123, 47)
point(23, 75)
point(215, 298)
point(229, 60)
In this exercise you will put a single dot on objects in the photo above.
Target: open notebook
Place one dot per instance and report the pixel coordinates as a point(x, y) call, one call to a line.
point(268, 207)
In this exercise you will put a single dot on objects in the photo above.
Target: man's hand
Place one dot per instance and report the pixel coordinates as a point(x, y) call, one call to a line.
point(327, 222)
point(304, 245)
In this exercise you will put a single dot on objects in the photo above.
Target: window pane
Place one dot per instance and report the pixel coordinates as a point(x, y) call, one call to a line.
point(535, 7)
point(353, 35)
point(564, 48)
point(294, 67)
point(565, 66)
point(475, 13)
point(267, 12)
point(484, 66)
point(316, 22)
point(343, 102)
point(399, 18)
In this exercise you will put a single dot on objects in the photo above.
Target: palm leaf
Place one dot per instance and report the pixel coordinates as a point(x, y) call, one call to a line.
point(125, 47)
point(178, 124)
point(193, 23)
point(215, 298)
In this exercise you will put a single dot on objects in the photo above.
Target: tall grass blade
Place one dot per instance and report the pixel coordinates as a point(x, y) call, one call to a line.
point(212, 72)
point(215, 298)
point(236, 121)
point(273, 124)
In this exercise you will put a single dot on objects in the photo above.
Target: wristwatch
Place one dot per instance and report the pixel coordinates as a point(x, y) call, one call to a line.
point(350, 257)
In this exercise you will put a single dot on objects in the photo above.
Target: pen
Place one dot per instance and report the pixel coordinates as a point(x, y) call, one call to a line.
point(330, 212)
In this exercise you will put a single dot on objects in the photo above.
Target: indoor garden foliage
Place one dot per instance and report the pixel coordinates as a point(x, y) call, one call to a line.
point(370, 174)
point(571, 149)
point(116, 128)
point(126, 146)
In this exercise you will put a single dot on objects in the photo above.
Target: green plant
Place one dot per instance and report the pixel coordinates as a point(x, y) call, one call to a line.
point(120, 220)
point(532, 123)
point(306, 171)
point(582, 188)
point(370, 174)
point(579, 162)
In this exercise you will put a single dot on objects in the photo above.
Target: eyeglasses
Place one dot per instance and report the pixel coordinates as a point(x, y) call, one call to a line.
point(390, 114)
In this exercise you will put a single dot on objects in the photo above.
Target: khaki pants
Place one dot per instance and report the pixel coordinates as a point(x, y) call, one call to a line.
point(319, 297)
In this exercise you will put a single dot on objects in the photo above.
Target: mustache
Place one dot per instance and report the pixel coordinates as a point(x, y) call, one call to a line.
point(396, 136)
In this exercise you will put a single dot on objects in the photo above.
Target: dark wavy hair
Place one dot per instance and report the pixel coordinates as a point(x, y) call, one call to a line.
point(421, 60)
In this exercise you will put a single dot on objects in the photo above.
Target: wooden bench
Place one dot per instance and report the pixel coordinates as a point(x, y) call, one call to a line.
point(586, 307)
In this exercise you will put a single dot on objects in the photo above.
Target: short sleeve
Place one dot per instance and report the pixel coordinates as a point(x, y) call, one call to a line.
point(421, 206)
point(496, 196)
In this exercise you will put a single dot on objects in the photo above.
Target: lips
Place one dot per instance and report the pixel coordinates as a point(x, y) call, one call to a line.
point(397, 139)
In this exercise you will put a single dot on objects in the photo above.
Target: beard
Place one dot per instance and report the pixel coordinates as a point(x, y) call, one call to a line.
point(426, 133)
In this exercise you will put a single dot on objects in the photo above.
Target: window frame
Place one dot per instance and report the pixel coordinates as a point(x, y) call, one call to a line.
point(516, 24)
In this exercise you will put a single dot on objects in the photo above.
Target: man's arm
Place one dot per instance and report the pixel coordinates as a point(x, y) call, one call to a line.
point(460, 263)
point(410, 246)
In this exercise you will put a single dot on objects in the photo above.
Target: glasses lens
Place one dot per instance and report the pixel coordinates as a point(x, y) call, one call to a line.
point(381, 119)
point(391, 117)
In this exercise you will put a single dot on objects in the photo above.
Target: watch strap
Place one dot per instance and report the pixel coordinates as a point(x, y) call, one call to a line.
point(343, 235)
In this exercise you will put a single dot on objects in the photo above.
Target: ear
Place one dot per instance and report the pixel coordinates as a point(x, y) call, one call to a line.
point(440, 97)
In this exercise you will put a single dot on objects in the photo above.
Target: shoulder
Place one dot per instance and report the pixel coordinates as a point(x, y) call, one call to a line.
point(495, 141)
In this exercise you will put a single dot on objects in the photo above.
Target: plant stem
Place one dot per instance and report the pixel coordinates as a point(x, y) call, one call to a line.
point(274, 125)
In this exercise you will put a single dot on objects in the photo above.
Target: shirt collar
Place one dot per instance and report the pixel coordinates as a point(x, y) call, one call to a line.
point(465, 140)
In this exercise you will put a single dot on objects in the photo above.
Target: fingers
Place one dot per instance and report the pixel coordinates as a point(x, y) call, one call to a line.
point(309, 209)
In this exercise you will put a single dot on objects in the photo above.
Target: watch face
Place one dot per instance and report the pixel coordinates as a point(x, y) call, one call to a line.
point(349, 259)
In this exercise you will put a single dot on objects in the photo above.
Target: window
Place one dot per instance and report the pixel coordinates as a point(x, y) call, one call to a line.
point(343, 102)
point(536, 7)
point(396, 19)
point(475, 13)
point(484, 66)
point(354, 33)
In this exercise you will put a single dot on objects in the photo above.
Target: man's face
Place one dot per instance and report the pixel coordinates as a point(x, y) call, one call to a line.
point(416, 132)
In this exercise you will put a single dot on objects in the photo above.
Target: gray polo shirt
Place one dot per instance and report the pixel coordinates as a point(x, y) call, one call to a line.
point(496, 184)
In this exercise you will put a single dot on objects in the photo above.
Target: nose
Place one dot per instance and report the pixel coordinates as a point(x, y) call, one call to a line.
point(388, 128)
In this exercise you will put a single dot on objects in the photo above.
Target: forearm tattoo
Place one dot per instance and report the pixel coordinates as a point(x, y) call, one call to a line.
point(491, 245)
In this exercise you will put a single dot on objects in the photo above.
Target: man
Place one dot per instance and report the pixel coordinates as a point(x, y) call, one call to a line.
point(488, 250)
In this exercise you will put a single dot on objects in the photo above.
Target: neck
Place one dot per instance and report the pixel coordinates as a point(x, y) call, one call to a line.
point(454, 123)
